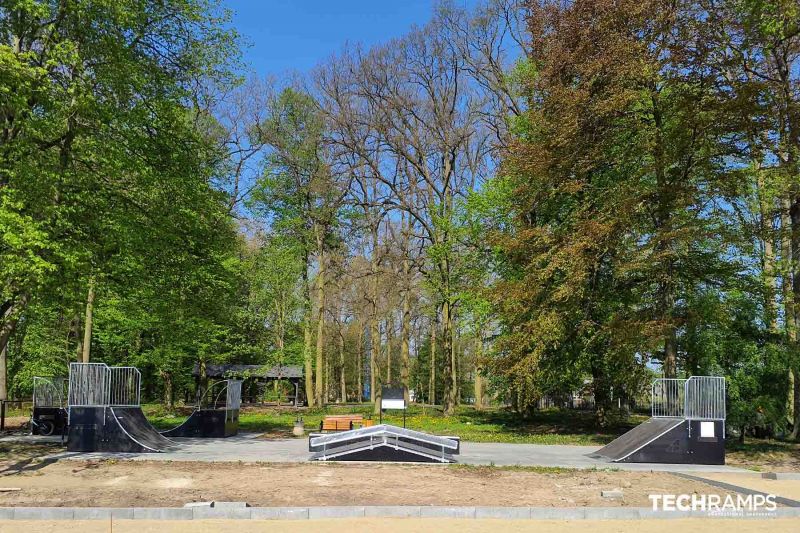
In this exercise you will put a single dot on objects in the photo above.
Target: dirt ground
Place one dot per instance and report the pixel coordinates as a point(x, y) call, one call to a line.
point(154, 484)
point(784, 460)
point(412, 525)
point(787, 488)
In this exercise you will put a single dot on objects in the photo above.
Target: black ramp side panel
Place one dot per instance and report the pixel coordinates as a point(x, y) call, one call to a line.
point(189, 428)
point(207, 423)
point(638, 437)
point(135, 425)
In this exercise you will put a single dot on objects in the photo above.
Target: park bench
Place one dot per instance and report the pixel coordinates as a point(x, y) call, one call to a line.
point(344, 422)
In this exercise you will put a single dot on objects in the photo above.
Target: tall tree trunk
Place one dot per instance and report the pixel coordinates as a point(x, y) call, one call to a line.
point(320, 393)
point(769, 266)
point(432, 377)
point(307, 355)
point(87, 331)
point(374, 350)
point(374, 334)
point(449, 352)
point(360, 363)
point(4, 373)
point(793, 314)
point(405, 320)
point(478, 371)
point(405, 331)
point(11, 312)
point(389, 331)
point(377, 379)
point(663, 226)
point(280, 334)
point(342, 381)
point(169, 397)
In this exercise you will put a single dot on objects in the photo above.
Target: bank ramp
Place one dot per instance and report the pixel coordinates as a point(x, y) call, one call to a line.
point(639, 437)
point(687, 425)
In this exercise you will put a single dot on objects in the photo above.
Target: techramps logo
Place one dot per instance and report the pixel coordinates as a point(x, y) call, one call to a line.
point(739, 505)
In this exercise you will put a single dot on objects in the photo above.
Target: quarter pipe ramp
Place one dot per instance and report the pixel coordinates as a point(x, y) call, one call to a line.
point(114, 429)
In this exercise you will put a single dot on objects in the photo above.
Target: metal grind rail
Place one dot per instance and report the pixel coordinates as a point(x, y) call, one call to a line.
point(381, 430)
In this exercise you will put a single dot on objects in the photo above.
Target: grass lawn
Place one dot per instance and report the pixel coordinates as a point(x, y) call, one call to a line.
point(552, 426)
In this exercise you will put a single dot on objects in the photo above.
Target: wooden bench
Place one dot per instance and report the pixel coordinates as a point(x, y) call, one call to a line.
point(344, 422)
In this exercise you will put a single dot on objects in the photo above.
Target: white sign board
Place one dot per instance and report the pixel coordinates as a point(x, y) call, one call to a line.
point(393, 404)
point(707, 430)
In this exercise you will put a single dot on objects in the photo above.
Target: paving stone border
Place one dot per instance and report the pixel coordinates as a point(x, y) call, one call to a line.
point(311, 513)
point(780, 500)
point(781, 475)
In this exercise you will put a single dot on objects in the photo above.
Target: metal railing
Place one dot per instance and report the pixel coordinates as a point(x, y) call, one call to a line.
point(234, 394)
point(705, 398)
point(696, 398)
point(124, 386)
point(97, 384)
point(88, 385)
point(49, 391)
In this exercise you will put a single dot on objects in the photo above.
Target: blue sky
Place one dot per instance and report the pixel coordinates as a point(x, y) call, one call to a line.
point(295, 35)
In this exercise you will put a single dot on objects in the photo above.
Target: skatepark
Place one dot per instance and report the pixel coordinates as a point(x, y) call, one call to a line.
point(105, 420)
point(206, 467)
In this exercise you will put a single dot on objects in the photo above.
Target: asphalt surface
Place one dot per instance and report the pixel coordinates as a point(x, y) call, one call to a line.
point(249, 447)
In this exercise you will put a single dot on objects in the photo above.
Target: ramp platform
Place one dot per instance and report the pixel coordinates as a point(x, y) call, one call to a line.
point(384, 442)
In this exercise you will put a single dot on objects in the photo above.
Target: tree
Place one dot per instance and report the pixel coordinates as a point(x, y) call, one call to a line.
point(615, 177)
point(300, 194)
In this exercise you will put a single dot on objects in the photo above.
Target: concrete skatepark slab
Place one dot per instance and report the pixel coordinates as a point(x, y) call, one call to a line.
point(250, 447)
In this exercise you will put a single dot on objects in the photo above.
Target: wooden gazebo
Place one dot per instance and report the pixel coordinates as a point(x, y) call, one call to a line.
point(254, 374)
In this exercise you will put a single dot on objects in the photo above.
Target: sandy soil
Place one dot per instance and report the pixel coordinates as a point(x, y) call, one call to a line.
point(150, 484)
point(370, 525)
point(15, 423)
point(784, 461)
point(788, 488)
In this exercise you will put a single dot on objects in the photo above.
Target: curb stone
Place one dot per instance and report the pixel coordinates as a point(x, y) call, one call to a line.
point(399, 511)
point(781, 475)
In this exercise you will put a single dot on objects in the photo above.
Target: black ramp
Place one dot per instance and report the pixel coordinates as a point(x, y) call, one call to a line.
point(135, 425)
point(637, 438)
point(383, 442)
point(207, 423)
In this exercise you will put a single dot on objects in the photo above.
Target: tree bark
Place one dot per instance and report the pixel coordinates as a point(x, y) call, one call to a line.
point(342, 380)
point(478, 369)
point(320, 368)
point(360, 363)
point(87, 331)
point(405, 331)
point(449, 351)
point(769, 260)
point(169, 397)
point(12, 309)
point(432, 377)
point(4, 373)
point(374, 350)
point(793, 314)
point(307, 356)
point(389, 329)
